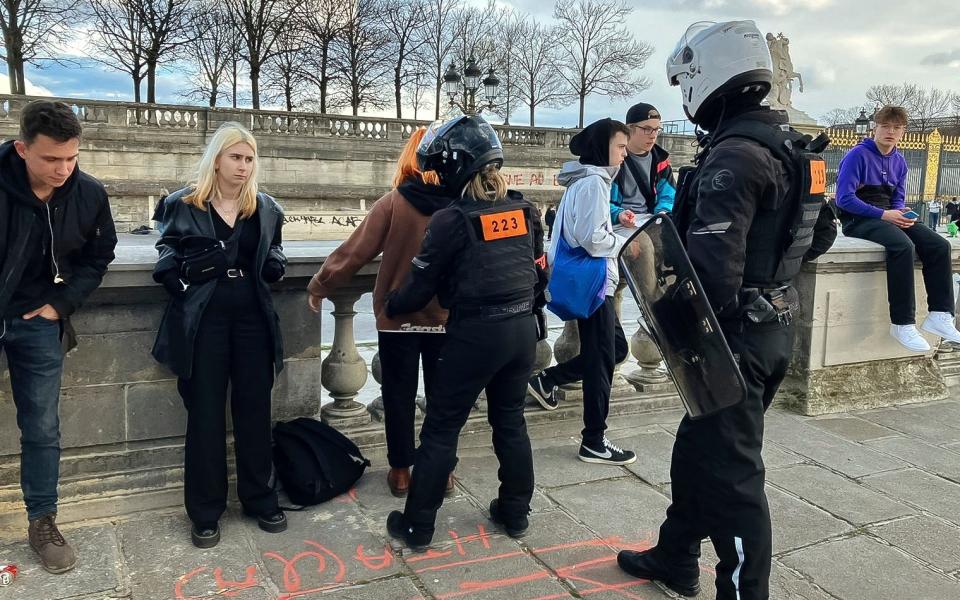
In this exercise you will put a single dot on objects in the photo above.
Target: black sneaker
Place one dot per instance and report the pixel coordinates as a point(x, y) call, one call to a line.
point(515, 527)
point(606, 454)
point(543, 392)
point(650, 565)
point(205, 535)
point(399, 528)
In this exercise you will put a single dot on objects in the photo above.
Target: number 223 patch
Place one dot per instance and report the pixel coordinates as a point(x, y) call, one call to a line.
point(503, 225)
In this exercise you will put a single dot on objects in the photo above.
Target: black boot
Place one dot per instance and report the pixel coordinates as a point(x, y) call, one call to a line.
point(652, 565)
point(399, 528)
point(516, 527)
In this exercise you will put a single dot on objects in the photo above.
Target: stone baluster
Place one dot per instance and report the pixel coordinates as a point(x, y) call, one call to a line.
point(343, 372)
point(567, 346)
point(649, 377)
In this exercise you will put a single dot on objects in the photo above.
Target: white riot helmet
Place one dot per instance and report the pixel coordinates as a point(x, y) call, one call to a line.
point(719, 59)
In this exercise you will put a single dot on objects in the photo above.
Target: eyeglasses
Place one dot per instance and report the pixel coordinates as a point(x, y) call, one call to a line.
point(647, 130)
point(892, 126)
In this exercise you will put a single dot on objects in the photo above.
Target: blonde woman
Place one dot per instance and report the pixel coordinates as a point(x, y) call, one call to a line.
point(478, 258)
point(220, 250)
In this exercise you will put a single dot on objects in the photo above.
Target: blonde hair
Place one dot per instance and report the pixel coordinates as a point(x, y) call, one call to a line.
point(205, 187)
point(407, 166)
point(487, 184)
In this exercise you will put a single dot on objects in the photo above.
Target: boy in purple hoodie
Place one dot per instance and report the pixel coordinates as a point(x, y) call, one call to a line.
point(871, 191)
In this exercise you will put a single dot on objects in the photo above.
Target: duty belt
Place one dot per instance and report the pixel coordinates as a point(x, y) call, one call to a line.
point(767, 305)
point(496, 312)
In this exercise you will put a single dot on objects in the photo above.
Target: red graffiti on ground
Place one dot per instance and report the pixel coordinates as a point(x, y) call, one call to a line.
point(317, 569)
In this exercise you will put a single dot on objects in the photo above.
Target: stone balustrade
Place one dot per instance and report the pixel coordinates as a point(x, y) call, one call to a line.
point(122, 420)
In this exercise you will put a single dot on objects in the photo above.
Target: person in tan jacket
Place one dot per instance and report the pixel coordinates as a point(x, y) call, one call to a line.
point(395, 226)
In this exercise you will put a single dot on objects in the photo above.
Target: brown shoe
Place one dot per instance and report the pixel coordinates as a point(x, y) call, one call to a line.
point(399, 481)
point(451, 486)
point(56, 555)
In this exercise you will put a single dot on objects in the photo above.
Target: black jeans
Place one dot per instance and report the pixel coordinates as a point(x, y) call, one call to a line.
point(902, 245)
point(493, 355)
point(401, 354)
point(602, 347)
point(233, 345)
point(717, 473)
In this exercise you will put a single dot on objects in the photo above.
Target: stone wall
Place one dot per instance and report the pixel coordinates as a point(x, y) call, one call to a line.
point(326, 170)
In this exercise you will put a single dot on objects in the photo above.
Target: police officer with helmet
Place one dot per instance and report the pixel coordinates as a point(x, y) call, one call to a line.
point(751, 211)
point(478, 258)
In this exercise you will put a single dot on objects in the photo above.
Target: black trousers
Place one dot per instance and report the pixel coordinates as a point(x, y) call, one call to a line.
point(902, 245)
point(234, 346)
point(602, 347)
point(496, 356)
point(401, 354)
point(717, 473)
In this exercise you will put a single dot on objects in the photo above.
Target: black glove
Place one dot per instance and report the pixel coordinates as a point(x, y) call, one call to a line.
point(541, 324)
point(175, 286)
point(272, 271)
point(387, 300)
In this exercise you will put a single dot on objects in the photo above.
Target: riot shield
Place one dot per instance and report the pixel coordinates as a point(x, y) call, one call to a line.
point(680, 319)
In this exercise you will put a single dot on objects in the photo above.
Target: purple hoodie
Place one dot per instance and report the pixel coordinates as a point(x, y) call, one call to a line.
point(869, 182)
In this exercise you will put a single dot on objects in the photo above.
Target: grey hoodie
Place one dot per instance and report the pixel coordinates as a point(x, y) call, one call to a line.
point(583, 218)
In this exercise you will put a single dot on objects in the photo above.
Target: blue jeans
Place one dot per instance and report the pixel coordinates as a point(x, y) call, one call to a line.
point(35, 362)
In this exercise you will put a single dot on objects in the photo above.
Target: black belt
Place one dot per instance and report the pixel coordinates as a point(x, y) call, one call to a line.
point(493, 313)
point(767, 305)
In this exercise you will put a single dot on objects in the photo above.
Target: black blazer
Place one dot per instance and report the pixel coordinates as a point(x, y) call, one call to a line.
point(178, 329)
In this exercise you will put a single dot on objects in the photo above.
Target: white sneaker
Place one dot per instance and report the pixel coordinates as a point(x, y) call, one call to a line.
point(941, 324)
point(909, 337)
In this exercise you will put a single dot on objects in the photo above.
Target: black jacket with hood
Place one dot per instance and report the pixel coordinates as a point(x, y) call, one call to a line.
point(75, 224)
point(178, 329)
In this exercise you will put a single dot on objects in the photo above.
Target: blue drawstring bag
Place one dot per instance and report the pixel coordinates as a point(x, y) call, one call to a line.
point(577, 281)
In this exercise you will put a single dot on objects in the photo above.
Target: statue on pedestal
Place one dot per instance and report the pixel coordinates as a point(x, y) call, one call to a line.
point(783, 73)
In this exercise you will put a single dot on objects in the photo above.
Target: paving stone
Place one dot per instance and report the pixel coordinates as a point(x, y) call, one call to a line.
point(861, 568)
point(933, 423)
point(401, 588)
point(925, 537)
point(837, 495)
point(95, 573)
point(478, 476)
point(162, 563)
point(375, 500)
point(490, 567)
point(835, 452)
point(929, 492)
point(921, 454)
point(796, 523)
point(775, 457)
point(559, 466)
point(852, 428)
point(625, 507)
point(654, 451)
point(787, 585)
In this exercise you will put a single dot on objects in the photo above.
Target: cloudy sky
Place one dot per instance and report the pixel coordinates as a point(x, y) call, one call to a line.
point(841, 47)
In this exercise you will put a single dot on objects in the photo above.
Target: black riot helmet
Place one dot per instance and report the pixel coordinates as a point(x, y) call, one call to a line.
point(458, 149)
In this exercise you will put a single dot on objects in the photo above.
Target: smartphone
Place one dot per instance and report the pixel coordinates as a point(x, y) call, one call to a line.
point(911, 215)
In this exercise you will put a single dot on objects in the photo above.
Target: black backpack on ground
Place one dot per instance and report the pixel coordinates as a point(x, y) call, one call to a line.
point(314, 461)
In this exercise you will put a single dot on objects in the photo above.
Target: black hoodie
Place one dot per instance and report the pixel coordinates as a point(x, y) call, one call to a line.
point(426, 198)
point(51, 253)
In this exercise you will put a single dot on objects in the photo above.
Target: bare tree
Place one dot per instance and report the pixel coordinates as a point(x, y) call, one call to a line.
point(362, 57)
point(322, 22)
point(119, 39)
point(32, 30)
point(214, 49)
point(259, 22)
point(440, 16)
point(417, 87)
point(892, 94)
point(166, 24)
point(597, 54)
point(504, 65)
point(405, 24)
point(539, 81)
point(929, 104)
point(841, 116)
point(284, 78)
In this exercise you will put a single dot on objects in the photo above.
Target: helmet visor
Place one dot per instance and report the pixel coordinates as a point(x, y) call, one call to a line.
point(678, 57)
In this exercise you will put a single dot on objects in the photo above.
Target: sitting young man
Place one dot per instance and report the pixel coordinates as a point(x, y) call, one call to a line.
point(871, 188)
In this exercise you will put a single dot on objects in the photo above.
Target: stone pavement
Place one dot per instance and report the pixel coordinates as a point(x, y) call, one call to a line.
point(866, 506)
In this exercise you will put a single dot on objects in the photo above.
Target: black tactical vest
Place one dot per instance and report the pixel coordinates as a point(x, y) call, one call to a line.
point(781, 234)
point(497, 265)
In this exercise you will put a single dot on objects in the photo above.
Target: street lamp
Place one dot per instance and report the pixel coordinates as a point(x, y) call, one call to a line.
point(471, 85)
point(862, 124)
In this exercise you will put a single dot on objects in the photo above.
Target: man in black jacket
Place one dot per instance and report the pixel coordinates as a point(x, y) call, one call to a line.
point(56, 240)
point(751, 214)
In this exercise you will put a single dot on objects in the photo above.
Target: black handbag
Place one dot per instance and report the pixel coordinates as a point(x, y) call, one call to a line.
point(202, 258)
